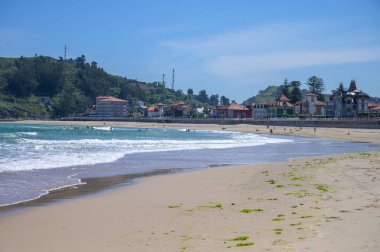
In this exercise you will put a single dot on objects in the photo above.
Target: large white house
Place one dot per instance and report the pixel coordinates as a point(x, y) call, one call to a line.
point(310, 106)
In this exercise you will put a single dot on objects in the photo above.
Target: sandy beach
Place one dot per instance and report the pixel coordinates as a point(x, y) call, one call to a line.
point(307, 204)
point(359, 135)
point(329, 203)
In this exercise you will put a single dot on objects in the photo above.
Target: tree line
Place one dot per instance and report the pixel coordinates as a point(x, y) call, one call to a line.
point(73, 85)
point(292, 89)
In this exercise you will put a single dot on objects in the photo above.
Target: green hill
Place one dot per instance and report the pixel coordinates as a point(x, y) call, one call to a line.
point(48, 87)
point(268, 94)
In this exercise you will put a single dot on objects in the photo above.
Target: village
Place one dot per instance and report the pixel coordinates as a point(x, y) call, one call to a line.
point(350, 103)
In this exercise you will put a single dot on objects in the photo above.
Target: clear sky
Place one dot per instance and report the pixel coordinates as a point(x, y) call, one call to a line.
point(230, 47)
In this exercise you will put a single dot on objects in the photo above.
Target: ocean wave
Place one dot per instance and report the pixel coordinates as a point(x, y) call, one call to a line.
point(103, 128)
point(47, 154)
point(29, 133)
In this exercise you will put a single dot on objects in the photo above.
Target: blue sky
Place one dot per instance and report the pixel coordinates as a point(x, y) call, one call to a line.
point(230, 47)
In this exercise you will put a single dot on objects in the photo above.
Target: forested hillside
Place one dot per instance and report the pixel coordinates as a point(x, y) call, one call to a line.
point(44, 86)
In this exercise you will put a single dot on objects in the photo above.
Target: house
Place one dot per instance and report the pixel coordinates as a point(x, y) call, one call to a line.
point(155, 111)
point(200, 112)
point(180, 109)
point(310, 106)
point(232, 110)
point(348, 103)
point(108, 106)
point(139, 110)
point(261, 109)
point(281, 107)
point(374, 109)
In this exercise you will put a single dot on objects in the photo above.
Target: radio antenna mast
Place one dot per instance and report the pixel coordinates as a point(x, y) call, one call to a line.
point(173, 80)
point(65, 52)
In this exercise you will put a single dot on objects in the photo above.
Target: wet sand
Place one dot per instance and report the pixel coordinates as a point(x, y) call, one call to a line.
point(307, 204)
point(358, 135)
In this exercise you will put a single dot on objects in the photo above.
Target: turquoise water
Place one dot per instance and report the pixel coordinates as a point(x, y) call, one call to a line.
point(31, 147)
point(35, 159)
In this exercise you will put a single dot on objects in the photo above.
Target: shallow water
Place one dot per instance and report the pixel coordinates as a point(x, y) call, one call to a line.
point(37, 158)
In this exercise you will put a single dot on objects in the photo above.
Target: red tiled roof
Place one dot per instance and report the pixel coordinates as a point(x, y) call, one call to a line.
point(376, 108)
point(289, 105)
point(311, 94)
point(221, 107)
point(109, 98)
point(373, 105)
point(235, 106)
point(152, 108)
point(319, 103)
point(283, 98)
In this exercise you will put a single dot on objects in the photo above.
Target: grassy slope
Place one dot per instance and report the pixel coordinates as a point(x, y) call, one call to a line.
point(269, 94)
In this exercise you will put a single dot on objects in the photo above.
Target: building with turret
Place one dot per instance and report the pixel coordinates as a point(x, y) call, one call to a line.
point(347, 103)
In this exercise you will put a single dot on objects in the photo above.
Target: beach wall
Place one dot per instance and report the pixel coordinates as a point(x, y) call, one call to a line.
point(360, 123)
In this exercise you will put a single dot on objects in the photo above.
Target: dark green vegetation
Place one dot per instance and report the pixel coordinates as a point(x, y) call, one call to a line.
point(211, 205)
point(244, 244)
point(174, 206)
point(42, 86)
point(241, 244)
point(291, 89)
point(268, 94)
point(240, 238)
point(247, 210)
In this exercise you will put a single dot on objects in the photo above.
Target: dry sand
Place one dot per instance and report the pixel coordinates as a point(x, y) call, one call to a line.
point(359, 135)
point(308, 204)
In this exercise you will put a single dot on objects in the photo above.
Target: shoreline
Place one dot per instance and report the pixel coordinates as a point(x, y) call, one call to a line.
point(303, 204)
point(201, 210)
point(86, 187)
point(346, 134)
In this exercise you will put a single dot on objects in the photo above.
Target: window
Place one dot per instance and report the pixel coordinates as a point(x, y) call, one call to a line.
point(312, 99)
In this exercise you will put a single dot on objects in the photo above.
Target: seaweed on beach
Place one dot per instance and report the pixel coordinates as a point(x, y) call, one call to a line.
point(258, 210)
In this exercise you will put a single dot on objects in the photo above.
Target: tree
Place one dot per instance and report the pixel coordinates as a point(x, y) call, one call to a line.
point(22, 82)
point(203, 97)
point(214, 100)
point(81, 61)
point(285, 88)
point(94, 64)
point(190, 92)
point(70, 101)
point(179, 94)
point(224, 100)
point(316, 86)
point(295, 94)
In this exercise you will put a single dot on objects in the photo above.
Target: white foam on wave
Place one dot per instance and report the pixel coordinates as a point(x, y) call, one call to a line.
point(18, 134)
point(29, 133)
point(76, 182)
point(46, 154)
point(103, 128)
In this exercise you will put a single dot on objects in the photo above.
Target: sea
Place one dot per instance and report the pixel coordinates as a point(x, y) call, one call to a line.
point(37, 159)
